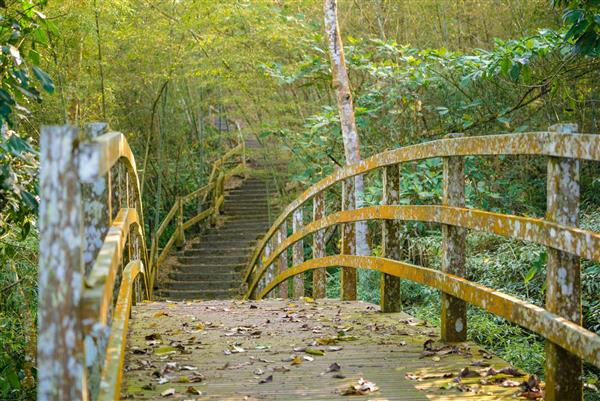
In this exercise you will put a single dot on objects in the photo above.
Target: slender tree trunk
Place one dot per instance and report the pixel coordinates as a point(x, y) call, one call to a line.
point(341, 84)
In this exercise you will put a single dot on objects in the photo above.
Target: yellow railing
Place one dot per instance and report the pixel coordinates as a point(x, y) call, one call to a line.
point(93, 260)
point(560, 322)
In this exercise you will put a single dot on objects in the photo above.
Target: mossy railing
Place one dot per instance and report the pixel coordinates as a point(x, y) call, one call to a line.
point(93, 263)
point(568, 343)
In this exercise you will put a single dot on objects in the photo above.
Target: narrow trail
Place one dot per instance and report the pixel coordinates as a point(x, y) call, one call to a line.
point(210, 265)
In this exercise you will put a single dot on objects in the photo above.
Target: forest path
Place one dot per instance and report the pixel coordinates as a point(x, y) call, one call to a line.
point(210, 265)
point(299, 349)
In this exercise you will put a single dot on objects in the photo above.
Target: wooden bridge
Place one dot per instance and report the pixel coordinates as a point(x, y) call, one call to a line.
point(96, 273)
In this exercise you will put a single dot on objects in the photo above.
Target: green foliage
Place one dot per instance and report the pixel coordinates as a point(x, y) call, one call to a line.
point(583, 19)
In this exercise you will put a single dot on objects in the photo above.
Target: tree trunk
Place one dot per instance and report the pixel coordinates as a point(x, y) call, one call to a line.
point(341, 84)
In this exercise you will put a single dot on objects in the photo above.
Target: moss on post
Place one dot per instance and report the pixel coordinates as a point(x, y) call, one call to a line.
point(319, 275)
point(298, 253)
point(390, 285)
point(60, 363)
point(454, 310)
point(564, 380)
point(348, 276)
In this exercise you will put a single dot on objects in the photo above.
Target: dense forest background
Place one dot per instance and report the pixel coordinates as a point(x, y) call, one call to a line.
point(164, 71)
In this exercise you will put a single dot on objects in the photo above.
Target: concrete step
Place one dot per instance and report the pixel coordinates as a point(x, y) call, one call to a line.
point(200, 285)
point(199, 267)
point(213, 259)
point(181, 295)
point(212, 252)
point(208, 275)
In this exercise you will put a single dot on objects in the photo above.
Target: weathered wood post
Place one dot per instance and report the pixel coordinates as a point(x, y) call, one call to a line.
point(180, 239)
point(298, 253)
point(270, 272)
point(454, 310)
point(96, 205)
point(319, 275)
point(60, 353)
point(282, 259)
point(564, 380)
point(96, 200)
point(391, 244)
point(348, 276)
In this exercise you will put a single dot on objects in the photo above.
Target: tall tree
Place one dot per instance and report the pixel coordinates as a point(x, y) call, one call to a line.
point(353, 194)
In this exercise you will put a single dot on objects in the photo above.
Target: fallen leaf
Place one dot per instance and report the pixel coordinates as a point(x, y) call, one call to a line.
point(362, 387)
point(313, 351)
point(308, 358)
point(296, 361)
point(193, 390)
point(334, 367)
point(159, 314)
point(168, 392)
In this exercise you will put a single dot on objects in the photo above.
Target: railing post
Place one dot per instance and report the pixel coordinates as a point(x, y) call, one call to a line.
point(454, 310)
point(96, 220)
point(60, 352)
point(298, 253)
point(319, 275)
point(180, 239)
point(391, 244)
point(282, 259)
point(270, 272)
point(244, 156)
point(348, 276)
point(564, 380)
point(218, 191)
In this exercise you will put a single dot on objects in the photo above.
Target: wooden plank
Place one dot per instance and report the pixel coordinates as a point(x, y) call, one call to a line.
point(298, 254)
point(391, 300)
point(319, 275)
point(453, 319)
point(348, 276)
point(564, 371)
point(382, 348)
point(60, 352)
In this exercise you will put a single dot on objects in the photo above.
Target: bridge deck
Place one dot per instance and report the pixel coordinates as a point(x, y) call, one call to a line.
point(268, 350)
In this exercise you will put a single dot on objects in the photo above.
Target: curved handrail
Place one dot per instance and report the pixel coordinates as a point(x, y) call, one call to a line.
point(110, 382)
point(580, 146)
point(99, 285)
point(577, 241)
point(561, 331)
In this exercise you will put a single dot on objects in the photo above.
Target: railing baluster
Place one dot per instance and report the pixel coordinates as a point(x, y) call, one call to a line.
point(270, 273)
point(319, 275)
point(454, 310)
point(348, 276)
point(282, 259)
point(563, 275)
point(180, 232)
point(391, 244)
point(298, 253)
point(60, 353)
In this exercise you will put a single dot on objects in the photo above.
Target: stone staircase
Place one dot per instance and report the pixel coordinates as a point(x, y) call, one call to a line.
point(212, 267)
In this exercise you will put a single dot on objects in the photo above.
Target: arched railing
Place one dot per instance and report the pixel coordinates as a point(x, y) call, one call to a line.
point(93, 260)
point(559, 322)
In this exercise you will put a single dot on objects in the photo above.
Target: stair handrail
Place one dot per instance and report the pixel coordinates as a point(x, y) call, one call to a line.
point(93, 260)
point(559, 323)
point(213, 192)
